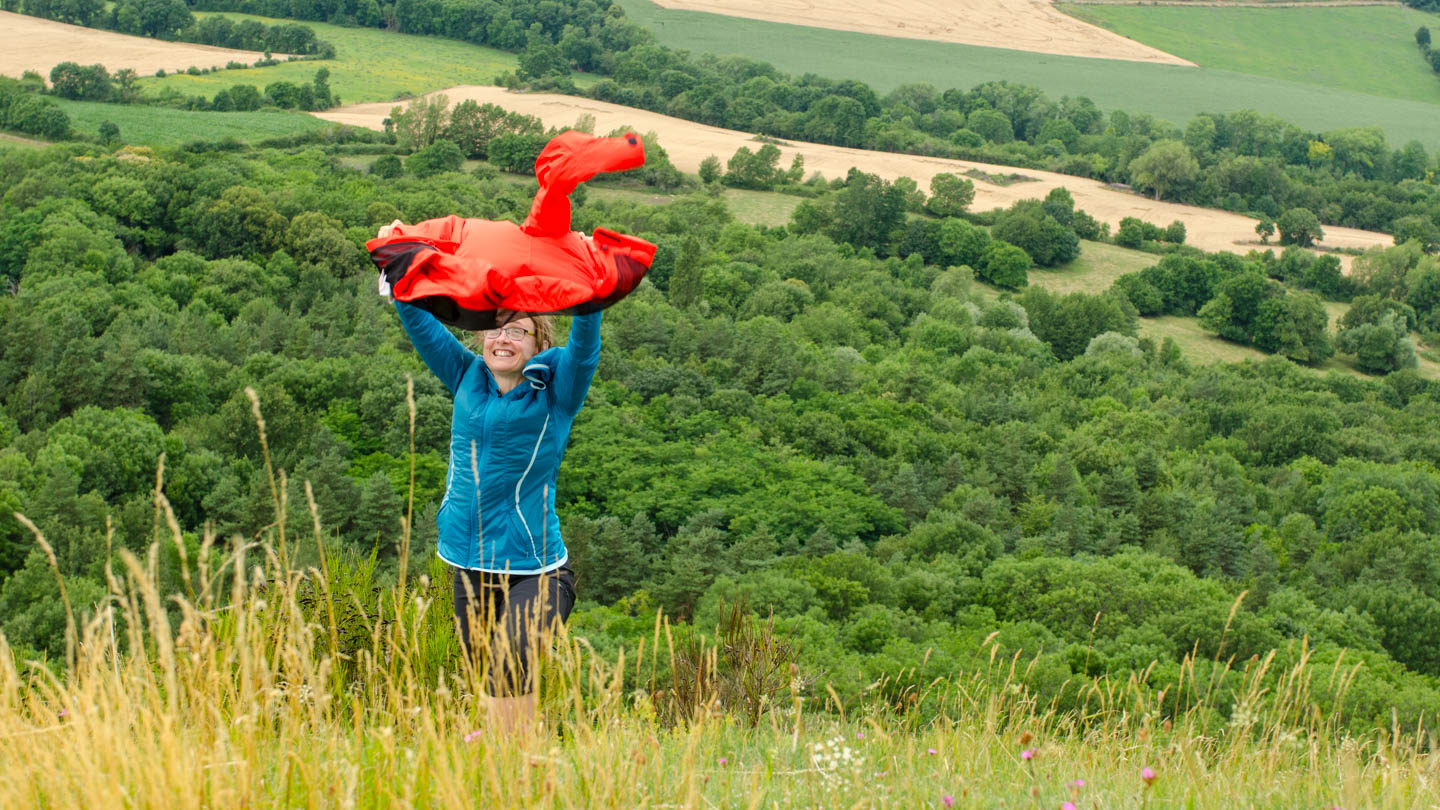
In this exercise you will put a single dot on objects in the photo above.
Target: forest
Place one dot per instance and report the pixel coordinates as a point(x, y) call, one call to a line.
point(897, 460)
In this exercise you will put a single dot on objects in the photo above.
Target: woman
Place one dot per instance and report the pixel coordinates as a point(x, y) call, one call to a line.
point(516, 399)
point(514, 404)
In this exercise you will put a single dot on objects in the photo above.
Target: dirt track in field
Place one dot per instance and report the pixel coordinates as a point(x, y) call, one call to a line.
point(38, 45)
point(689, 143)
point(1021, 25)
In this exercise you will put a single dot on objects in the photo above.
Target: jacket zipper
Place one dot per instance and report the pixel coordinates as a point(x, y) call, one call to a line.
point(518, 484)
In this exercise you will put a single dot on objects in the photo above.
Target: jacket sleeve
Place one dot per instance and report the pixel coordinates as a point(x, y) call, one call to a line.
point(575, 367)
point(446, 357)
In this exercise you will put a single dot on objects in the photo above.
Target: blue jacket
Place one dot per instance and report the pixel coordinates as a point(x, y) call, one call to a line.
point(515, 443)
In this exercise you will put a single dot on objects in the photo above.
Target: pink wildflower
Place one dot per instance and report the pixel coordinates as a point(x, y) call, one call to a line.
point(723, 760)
point(63, 712)
point(1148, 774)
point(931, 751)
point(947, 800)
point(1028, 754)
point(1067, 806)
point(859, 735)
point(472, 736)
point(1078, 783)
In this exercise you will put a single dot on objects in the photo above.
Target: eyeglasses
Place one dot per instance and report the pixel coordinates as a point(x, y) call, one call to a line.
point(512, 332)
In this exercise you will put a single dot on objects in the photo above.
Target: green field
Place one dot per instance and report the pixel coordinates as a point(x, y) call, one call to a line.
point(1363, 49)
point(1169, 92)
point(8, 141)
point(1097, 267)
point(369, 65)
point(161, 126)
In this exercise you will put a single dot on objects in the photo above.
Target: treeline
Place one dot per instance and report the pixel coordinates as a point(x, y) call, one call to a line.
point(580, 29)
point(1241, 161)
point(172, 20)
point(311, 97)
point(24, 109)
point(1422, 39)
point(895, 464)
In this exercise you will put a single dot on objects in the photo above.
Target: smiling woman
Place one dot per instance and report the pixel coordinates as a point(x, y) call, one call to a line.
point(515, 400)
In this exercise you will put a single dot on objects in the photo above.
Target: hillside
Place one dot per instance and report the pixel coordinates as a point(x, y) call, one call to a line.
point(1171, 93)
point(689, 143)
point(880, 495)
point(1361, 49)
point(37, 44)
point(1027, 25)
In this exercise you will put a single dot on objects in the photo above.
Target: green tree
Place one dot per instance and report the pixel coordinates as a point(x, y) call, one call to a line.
point(834, 119)
point(961, 243)
point(1361, 150)
point(388, 167)
point(1422, 37)
point(1068, 324)
point(1005, 265)
point(118, 449)
point(1418, 227)
point(710, 169)
point(1265, 229)
point(1299, 226)
point(1380, 346)
point(420, 122)
point(91, 83)
point(241, 222)
point(1166, 165)
point(438, 157)
point(950, 195)
point(1027, 226)
point(1294, 325)
point(758, 170)
point(379, 515)
point(316, 240)
point(473, 126)
point(541, 59)
point(867, 210)
point(516, 152)
point(992, 125)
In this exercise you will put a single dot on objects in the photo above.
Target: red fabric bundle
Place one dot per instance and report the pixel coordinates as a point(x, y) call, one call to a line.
point(463, 270)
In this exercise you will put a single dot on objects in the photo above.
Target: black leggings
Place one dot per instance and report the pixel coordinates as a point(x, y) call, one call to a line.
point(508, 608)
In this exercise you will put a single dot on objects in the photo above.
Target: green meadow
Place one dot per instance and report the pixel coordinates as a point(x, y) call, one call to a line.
point(1168, 92)
point(369, 65)
point(161, 126)
point(1367, 49)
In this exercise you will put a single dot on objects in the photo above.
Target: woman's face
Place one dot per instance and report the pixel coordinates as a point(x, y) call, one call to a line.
point(506, 355)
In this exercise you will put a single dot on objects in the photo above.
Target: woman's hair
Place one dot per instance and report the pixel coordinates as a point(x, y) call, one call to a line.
point(544, 330)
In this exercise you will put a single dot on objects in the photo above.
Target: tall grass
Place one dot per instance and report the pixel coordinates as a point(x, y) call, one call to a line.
point(265, 682)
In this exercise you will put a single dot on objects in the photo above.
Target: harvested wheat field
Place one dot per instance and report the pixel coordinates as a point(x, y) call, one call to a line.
point(1021, 25)
point(688, 143)
point(39, 45)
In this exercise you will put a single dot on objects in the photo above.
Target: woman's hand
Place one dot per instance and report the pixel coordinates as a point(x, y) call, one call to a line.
point(383, 286)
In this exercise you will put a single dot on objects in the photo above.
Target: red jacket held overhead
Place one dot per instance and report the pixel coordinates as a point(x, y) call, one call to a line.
point(463, 270)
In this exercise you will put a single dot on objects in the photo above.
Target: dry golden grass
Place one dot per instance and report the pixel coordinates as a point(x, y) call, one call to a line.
point(246, 689)
point(1022, 25)
point(36, 44)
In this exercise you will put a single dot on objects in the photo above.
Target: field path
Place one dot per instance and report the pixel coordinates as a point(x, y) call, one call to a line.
point(39, 45)
point(1021, 25)
point(689, 143)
